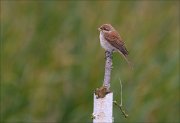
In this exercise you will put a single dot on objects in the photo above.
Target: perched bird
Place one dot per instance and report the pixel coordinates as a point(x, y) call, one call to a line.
point(111, 41)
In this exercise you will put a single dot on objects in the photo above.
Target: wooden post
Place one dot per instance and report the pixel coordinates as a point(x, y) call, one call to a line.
point(103, 97)
point(102, 112)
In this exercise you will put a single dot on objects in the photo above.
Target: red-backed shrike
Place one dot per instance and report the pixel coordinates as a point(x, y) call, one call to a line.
point(111, 41)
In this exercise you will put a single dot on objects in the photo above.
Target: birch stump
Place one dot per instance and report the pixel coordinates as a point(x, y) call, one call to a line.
point(103, 97)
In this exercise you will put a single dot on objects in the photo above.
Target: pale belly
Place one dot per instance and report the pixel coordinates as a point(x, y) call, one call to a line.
point(105, 44)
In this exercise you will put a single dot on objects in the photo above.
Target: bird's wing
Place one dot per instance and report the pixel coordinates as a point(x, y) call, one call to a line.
point(115, 40)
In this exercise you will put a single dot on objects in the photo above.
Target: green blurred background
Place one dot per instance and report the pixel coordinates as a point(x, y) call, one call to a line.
point(51, 60)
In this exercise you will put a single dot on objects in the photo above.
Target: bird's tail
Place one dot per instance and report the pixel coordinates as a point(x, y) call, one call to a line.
point(127, 60)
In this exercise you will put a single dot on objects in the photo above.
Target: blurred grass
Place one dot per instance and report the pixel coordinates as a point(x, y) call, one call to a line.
point(51, 60)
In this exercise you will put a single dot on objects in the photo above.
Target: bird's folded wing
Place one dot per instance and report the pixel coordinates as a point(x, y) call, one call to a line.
point(115, 40)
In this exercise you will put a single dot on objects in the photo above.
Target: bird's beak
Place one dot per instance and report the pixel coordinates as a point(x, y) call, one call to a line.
point(99, 29)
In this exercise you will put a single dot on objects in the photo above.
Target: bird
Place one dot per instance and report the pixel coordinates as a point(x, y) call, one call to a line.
point(111, 41)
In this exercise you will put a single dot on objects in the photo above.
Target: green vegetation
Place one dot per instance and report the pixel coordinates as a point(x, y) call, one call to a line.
point(51, 60)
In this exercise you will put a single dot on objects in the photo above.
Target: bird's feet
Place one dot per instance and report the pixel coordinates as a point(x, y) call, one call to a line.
point(108, 54)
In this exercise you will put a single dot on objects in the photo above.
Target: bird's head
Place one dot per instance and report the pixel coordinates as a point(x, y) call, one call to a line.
point(106, 27)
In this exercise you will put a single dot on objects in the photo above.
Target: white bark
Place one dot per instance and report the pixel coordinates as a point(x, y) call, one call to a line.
point(102, 112)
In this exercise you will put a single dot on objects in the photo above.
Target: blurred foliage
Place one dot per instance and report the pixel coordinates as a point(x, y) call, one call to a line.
point(51, 60)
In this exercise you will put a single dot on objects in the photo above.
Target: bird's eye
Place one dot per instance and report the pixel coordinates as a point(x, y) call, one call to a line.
point(106, 29)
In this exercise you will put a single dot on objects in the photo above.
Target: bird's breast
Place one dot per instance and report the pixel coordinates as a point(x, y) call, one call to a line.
point(104, 43)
